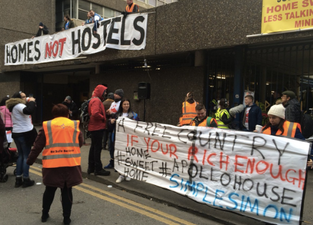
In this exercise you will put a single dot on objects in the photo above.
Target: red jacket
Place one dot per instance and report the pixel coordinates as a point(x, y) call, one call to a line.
point(96, 110)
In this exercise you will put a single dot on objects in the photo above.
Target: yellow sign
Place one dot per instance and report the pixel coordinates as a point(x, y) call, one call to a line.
point(286, 15)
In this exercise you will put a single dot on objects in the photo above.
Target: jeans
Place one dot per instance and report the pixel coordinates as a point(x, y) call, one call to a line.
point(23, 152)
point(94, 159)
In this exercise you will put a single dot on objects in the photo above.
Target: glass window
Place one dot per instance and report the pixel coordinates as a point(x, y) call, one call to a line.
point(82, 14)
point(74, 7)
point(84, 5)
point(67, 4)
point(108, 13)
point(152, 2)
point(97, 9)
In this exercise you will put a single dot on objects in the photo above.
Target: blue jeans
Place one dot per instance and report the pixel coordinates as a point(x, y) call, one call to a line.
point(23, 152)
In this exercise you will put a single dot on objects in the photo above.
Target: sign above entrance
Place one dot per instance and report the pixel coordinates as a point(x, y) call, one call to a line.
point(282, 15)
point(117, 33)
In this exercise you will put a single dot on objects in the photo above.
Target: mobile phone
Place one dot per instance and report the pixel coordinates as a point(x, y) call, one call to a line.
point(30, 95)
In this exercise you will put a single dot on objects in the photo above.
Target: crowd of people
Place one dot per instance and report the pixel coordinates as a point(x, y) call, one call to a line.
point(92, 17)
point(61, 134)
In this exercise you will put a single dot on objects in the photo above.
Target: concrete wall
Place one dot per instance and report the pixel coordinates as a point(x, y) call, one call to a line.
point(186, 26)
point(168, 90)
point(20, 20)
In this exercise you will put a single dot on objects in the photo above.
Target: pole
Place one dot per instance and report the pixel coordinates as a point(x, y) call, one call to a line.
point(144, 110)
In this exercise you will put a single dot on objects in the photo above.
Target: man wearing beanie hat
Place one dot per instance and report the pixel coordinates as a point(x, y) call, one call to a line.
point(72, 107)
point(118, 95)
point(43, 30)
point(293, 112)
point(278, 126)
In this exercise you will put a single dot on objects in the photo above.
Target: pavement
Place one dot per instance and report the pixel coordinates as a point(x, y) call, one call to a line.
point(155, 193)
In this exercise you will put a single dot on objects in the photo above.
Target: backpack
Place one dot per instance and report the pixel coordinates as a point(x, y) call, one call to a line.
point(84, 115)
point(306, 125)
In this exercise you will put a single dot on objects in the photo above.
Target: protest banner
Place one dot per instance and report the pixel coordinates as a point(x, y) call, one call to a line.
point(281, 15)
point(117, 33)
point(256, 175)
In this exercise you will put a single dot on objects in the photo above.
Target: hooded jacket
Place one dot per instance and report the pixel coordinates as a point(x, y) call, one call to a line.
point(293, 112)
point(96, 110)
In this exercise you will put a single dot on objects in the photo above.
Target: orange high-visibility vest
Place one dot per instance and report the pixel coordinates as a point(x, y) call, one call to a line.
point(130, 10)
point(204, 123)
point(62, 143)
point(189, 112)
point(289, 129)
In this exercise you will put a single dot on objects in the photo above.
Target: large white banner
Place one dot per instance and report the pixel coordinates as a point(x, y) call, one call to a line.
point(257, 175)
point(117, 33)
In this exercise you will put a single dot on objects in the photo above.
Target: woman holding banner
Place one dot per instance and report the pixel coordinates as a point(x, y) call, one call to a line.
point(126, 112)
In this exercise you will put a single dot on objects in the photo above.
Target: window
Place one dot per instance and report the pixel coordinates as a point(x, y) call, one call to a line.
point(84, 5)
point(97, 9)
point(152, 2)
point(108, 13)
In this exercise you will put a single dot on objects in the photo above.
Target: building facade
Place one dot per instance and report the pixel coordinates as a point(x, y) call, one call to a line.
point(204, 46)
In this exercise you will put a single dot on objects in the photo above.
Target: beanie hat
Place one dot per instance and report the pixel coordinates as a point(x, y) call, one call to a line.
point(111, 95)
point(41, 24)
point(290, 94)
point(119, 92)
point(277, 110)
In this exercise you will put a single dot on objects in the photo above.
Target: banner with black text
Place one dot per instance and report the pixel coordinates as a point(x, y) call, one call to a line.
point(117, 33)
point(256, 175)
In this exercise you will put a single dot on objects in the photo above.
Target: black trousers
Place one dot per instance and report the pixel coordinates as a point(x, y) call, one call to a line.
point(67, 200)
point(94, 159)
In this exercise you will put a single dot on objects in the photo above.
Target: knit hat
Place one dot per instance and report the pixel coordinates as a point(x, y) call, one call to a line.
point(111, 95)
point(68, 98)
point(119, 92)
point(277, 110)
point(290, 94)
point(41, 24)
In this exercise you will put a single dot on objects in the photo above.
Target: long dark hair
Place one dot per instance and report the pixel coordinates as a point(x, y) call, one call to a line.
point(280, 125)
point(3, 100)
point(120, 110)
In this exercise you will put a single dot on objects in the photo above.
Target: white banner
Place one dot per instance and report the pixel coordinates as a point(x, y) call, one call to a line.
point(117, 33)
point(256, 175)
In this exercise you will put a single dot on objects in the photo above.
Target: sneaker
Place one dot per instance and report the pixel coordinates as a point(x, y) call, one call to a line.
point(102, 173)
point(28, 182)
point(109, 166)
point(120, 179)
point(127, 178)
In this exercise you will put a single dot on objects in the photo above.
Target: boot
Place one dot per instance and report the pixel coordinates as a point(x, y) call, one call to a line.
point(66, 221)
point(28, 182)
point(44, 216)
point(102, 173)
point(18, 182)
point(89, 171)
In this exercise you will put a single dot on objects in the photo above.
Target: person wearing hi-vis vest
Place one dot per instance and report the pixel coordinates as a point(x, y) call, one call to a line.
point(188, 110)
point(131, 7)
point(202, 120)
point(222, 115)
point(277, 124)
point(61, 140)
